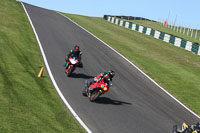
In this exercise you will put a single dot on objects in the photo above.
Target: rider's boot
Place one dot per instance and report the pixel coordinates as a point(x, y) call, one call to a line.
point(89, 94)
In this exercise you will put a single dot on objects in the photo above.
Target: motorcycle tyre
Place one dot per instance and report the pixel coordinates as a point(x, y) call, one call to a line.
point(94, 95)
point(69, 71)
point(84, 91)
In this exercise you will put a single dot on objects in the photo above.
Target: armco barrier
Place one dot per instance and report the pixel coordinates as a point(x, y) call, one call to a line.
point(176, 41)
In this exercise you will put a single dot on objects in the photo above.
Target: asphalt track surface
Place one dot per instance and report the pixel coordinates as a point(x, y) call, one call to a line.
point(134, 104)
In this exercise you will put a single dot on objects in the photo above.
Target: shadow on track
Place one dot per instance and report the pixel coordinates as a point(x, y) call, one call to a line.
point(80, 75)
point(105, 100)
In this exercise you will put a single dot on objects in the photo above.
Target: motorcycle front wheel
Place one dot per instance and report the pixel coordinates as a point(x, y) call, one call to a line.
point(94, 95)
point(69, 71)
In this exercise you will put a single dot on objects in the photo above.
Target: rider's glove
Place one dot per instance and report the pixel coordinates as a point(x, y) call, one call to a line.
point(95, 79)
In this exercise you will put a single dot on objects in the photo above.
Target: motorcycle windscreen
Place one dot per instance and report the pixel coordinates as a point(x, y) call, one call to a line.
point(73, 61)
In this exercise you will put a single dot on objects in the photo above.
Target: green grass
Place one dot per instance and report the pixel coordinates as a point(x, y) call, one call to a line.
point(158, 26)
point(27, 103)
point(174, 68)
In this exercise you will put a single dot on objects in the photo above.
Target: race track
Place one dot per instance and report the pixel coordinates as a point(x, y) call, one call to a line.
point(133, 105)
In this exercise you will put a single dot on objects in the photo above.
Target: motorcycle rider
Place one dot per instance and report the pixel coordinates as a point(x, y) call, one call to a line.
point(189, 128)
point(106, 77)
point(75, 52)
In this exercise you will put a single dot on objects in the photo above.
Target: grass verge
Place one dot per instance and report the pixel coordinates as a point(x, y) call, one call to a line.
point(176, 69)
point(27, 103)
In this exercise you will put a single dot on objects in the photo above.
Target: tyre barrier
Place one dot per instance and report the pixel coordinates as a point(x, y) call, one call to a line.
point(176, 41)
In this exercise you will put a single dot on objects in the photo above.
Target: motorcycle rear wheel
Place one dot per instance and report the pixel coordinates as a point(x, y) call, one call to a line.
point(84, 91)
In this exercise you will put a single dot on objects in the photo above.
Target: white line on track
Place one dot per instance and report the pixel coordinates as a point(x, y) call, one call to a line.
point(52, 78)
point(135, 67)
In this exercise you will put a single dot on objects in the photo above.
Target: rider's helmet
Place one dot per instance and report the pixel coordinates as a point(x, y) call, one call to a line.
point(76, 48)
point(111, 74)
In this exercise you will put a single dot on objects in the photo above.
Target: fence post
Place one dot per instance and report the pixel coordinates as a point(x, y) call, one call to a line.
point(175, 22)
point(188, 30)
point(184, 31)
point(174, 27)
point(196, 33)
point(177, 29)
point(171, 25)
point(180, 29)
point(192, 33)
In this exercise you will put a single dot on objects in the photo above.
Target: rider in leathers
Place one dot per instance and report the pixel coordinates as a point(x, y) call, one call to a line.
point(75, 52)
point(106, 77)
point(189, 128)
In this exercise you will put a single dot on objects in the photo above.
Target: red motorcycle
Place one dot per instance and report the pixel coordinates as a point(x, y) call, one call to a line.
point(95, 90)
point(71, 65)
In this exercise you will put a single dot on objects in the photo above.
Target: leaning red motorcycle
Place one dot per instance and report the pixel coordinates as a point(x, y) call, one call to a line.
point(95, 90)
point(71, 65)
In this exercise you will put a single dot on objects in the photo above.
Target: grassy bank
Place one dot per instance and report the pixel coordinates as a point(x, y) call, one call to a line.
point(176, 69)
point(27, 103)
